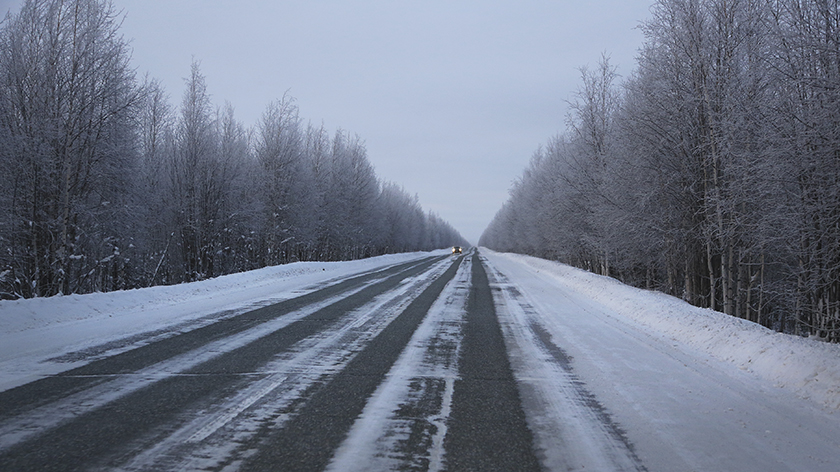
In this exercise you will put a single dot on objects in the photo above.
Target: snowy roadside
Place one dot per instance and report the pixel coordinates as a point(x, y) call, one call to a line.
point(809, 368)
point(38, 329)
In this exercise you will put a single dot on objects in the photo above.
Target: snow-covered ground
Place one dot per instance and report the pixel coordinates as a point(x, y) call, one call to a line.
point(32, 331)
point(617, 378)
point(805, 366)
point(612, 377)
point(49, 327)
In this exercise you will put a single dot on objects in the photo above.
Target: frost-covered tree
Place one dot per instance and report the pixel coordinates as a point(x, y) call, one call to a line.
point(805, 169)
point(286, 179)
point(352, 198)
point(68, 101)
point(106, 185)
point(156, 128)
point(714, 175)
point(208, 156)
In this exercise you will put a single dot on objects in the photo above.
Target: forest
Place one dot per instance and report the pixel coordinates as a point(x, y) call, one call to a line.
point(711, 173)
point(107, 185)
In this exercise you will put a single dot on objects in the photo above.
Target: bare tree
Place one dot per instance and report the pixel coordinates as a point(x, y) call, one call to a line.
point(209, 151)
point(280, 152)
point(68, 101)
point(107, 186)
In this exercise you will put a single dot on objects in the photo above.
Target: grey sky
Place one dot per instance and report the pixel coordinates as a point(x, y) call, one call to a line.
point(450, 97)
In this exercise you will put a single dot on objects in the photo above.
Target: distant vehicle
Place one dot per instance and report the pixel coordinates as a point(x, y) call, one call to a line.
point(456, 250)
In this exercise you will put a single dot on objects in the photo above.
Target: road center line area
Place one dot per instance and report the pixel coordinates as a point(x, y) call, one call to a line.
point(487, 428)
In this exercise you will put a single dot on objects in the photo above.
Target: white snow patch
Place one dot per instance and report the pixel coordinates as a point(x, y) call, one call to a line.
point(809, 368)
point(568, 428)
point(665, 375)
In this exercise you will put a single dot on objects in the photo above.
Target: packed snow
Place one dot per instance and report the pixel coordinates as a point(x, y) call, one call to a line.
point(617, 378)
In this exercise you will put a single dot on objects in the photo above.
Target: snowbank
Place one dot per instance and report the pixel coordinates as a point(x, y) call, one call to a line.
point(807, 367)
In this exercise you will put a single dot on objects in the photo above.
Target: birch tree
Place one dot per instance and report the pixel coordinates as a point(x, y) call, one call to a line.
point(107, 186)
point(806, 71)
point(154, 184)
point(203, 171)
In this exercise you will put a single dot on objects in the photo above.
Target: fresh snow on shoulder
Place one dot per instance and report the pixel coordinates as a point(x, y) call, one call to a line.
point(35, 330)
point(807, 367)
point(652, 383)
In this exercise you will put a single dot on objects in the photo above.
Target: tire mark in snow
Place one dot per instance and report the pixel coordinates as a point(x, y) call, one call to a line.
point(584, 397)
point(310, 437)
point(120, 361)
point(404, 422)
point(102, 389)
point(573, 429)
point(147, 411)
point(220, 432)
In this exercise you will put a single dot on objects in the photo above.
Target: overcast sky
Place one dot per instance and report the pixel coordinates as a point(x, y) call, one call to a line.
point(451, 97)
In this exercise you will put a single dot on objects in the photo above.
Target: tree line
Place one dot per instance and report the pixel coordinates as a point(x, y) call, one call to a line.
point(711, 173)
point(106, 185)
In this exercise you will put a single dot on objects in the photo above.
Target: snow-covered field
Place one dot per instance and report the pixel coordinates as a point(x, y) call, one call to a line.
point(32, 331)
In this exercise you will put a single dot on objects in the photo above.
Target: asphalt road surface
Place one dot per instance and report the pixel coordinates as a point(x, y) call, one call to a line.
point(445, 363)
point(281, 387)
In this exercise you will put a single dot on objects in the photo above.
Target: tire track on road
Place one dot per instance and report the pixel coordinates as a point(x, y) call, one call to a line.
point(309, 439)
point(573, 430)
point(404, 422)
point(487, 429)
point(91, 438)
point(40, 392)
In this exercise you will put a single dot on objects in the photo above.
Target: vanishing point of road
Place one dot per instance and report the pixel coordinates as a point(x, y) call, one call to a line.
point(454, 362)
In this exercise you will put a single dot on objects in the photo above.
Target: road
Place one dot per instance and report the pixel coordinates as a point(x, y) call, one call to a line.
point(441, 363)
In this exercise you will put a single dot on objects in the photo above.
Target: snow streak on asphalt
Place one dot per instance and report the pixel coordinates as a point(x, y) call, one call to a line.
point(573, 429)
point(474, 362)
point(117, 386)
point(218, 432)
point(211, 429)
point(404, 423)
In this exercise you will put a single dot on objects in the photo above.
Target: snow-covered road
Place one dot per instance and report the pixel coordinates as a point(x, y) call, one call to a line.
point(632, 379)
point(409, 362)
